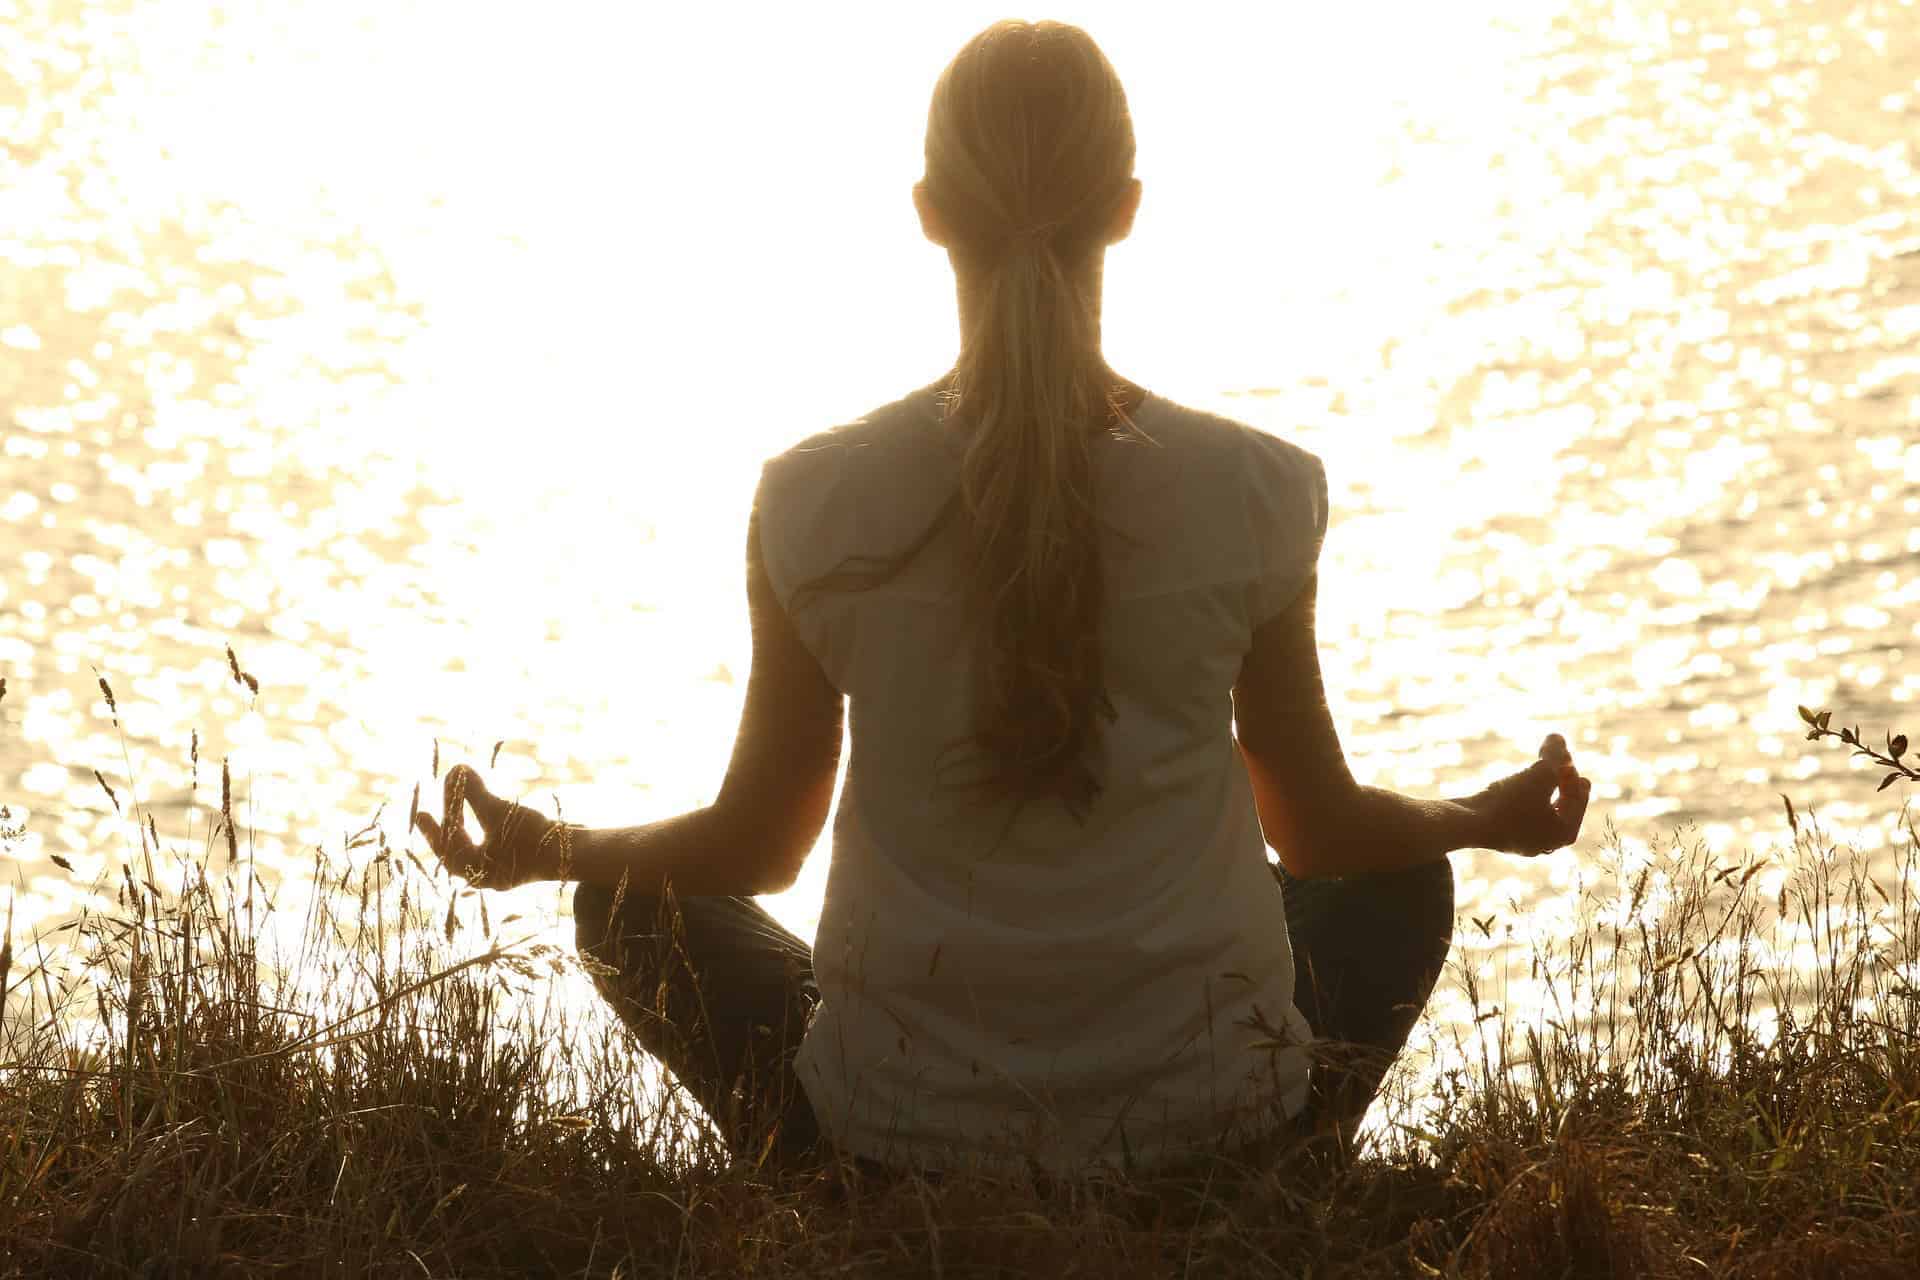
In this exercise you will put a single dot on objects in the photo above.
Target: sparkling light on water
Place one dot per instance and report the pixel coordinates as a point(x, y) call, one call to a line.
point(425, 354)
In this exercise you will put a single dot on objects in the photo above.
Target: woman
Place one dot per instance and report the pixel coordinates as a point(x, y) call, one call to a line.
point(1074, 625)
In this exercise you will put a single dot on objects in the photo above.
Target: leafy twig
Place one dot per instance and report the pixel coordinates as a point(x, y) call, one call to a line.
point(1898, 770)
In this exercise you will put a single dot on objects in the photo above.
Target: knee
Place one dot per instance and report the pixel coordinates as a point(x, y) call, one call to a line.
point(592, 916)
point(599, 913)
point(1420, 901)
point(1435, 880)
point(1430, 891)
point(1431, 911)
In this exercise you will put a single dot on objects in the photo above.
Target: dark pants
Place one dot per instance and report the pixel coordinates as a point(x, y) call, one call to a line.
point(721, 993)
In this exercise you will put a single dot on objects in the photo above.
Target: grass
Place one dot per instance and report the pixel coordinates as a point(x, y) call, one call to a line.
point(1721, 1079)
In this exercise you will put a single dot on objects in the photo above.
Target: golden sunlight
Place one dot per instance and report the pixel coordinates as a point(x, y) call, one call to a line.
point(426, 354)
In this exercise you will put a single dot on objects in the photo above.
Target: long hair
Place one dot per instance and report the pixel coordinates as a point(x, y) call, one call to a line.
point(1029, 155)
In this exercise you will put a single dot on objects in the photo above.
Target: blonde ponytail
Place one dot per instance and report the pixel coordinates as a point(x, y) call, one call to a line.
point(1029, 154)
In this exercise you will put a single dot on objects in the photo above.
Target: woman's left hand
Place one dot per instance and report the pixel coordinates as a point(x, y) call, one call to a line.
point(519, 843)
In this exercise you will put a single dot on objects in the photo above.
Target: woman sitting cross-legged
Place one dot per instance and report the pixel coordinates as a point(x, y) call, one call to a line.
point(1070, 624)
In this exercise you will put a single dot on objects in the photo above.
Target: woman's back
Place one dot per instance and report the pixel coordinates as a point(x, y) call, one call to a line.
point(1091, 960)
point(1038, 981)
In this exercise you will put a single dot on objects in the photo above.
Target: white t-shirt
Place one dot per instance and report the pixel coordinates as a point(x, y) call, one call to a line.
point(1079, 994)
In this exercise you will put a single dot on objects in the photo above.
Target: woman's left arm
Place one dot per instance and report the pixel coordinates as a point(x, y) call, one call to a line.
point(752, 839)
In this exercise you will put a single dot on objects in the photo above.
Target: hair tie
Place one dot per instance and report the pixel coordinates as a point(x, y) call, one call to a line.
point(1034, 236)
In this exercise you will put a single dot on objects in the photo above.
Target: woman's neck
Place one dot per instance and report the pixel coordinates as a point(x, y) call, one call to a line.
point(968, 292)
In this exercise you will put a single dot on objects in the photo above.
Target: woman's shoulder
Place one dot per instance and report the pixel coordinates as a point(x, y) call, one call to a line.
point(1240, 449)
point(872, 462)
point(894, 423)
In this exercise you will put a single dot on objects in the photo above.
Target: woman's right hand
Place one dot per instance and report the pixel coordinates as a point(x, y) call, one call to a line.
point(516, 849)
point(1523, 814)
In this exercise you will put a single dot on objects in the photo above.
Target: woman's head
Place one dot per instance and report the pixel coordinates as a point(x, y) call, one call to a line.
point(1028, 131)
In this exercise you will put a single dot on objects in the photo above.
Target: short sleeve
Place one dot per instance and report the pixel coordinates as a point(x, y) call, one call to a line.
point(776, 544)
point(1287, 521)
point(804, 521)
point(802, 513)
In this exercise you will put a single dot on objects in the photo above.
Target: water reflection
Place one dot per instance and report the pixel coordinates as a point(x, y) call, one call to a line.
point(442, 408)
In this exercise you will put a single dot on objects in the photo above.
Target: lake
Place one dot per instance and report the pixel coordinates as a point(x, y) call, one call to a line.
point(424, 354)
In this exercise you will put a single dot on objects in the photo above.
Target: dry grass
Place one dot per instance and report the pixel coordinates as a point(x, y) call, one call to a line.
point(1721, 1080)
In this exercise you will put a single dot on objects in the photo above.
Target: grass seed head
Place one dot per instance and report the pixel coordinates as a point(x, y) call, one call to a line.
point(6, 949)
point(226, 813)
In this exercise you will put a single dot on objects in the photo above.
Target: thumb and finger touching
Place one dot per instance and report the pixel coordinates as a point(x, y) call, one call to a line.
point(1549, 800)
point(448, 837)
point(506, 828)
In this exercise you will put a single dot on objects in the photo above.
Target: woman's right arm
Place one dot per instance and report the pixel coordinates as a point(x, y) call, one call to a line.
point(1323, 823)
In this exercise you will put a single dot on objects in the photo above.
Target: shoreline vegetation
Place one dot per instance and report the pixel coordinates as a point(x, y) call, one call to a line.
point(1718, 1075)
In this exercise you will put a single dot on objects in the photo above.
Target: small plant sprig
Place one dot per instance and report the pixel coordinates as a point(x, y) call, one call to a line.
point(1898, 770)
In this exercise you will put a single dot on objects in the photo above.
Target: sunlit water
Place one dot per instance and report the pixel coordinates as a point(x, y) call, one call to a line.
point(425, 354)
